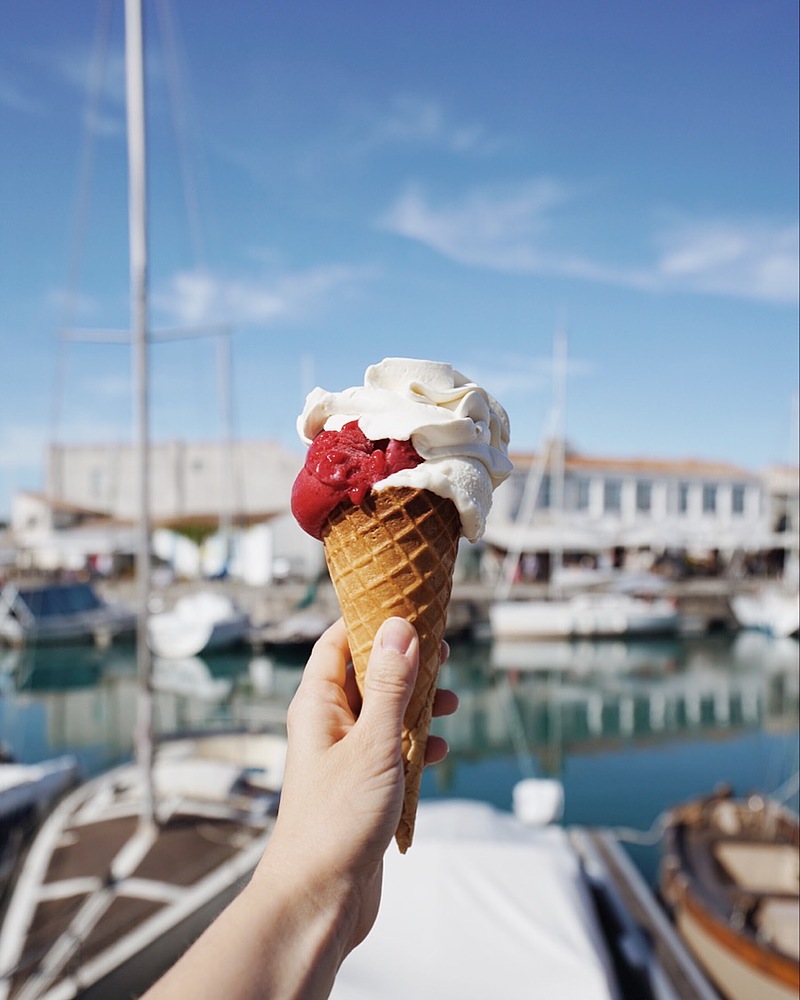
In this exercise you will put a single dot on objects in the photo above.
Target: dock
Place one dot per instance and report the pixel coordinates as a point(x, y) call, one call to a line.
point(704, 603)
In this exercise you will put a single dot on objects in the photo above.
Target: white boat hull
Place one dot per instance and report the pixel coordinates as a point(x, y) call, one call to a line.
point(775, 612)
point(33, 786)
point(199, 623)
point(585, 616)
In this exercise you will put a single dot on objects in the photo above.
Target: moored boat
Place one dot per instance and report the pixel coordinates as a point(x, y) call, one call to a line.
point(199, 623)
point(36, 614)
point(130, 867)
point(27, 792)
point(589, 615)
point(106, 900)
point(729, 875)
point(518, 906)
point(772, 609)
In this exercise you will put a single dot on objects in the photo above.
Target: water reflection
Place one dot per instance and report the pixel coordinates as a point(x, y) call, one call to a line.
point(547, 699)
point(533, 702)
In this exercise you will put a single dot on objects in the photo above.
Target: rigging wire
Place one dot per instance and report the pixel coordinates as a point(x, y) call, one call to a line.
point(96, 77)
point(178, 94)
point(232, 498)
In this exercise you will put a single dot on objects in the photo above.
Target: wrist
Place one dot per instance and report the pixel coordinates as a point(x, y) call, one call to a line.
point(315, 916)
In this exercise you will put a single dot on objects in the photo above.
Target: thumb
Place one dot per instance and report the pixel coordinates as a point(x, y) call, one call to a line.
point(390, 676)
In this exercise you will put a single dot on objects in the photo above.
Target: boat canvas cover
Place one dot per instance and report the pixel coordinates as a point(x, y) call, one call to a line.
point(481, 906)
point(46, 602)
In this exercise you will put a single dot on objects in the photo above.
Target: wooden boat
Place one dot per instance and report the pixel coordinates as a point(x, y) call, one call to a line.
point(107, 900)
point(60, 612)
point(729, 874)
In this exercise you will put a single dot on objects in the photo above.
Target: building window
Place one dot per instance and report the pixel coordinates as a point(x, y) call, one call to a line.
point(709, 499)
point(544, 499)
point(737, 499)
point(582, 493)
point(612, 496)
point(516, 492)
point(683, 498)
point(98, 483)
point(644, 496)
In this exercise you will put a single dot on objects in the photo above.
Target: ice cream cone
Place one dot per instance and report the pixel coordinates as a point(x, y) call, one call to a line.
point(393, 555)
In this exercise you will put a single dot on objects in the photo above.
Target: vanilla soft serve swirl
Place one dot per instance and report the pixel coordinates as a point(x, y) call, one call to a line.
point(456, 427)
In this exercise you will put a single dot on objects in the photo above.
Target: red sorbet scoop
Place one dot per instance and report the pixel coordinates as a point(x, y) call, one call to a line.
point(344, 465)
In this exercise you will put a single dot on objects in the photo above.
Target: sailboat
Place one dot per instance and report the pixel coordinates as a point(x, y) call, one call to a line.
point(588, 614)
point(133, 864)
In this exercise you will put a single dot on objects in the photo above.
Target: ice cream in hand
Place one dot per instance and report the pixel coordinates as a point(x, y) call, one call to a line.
point(396, 472)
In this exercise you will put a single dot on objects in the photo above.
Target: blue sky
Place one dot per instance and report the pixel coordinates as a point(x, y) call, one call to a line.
point(339, 182)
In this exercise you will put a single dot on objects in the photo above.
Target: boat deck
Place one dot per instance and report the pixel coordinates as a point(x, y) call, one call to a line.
point(83, 900)
point(109, 897)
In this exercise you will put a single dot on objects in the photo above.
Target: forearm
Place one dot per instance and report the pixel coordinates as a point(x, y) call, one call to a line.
point(279, 939)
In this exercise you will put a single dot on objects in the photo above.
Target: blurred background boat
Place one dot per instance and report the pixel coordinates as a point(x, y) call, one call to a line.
point(593, 615)
point(198, 623)
point(27, 793)
point(136, 862)
point(31, 614)
point(104, 902)
point(773, 608)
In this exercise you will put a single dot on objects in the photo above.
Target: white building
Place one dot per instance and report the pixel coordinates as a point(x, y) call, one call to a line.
point(212, 506)
point(614, 507)
point(610, 509)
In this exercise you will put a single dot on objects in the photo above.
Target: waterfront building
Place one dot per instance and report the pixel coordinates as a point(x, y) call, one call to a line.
point(214, 507)
point(225, 507)
point(622, 511)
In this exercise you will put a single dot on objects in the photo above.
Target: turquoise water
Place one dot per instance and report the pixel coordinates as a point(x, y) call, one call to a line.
point(629, 729)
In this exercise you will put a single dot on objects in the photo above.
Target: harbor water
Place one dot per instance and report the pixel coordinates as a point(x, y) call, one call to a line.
point(629, 728)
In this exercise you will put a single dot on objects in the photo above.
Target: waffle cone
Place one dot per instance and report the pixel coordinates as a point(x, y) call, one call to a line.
point(393, 556)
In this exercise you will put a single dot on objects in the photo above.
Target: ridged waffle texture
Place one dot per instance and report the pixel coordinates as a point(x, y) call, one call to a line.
point(393, 555)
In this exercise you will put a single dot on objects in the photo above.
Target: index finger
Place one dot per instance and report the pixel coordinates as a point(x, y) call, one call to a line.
point(330, 656)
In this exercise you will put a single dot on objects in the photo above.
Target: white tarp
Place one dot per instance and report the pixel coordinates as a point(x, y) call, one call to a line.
point(481, 907)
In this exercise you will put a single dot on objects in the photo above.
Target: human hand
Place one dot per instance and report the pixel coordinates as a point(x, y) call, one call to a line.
point(343, 785)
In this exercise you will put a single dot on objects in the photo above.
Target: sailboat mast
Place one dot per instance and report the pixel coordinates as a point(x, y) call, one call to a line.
point(137, 224)
point(559, 446)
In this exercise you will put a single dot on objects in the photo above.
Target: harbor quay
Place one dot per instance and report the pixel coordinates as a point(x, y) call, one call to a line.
point(704, 604)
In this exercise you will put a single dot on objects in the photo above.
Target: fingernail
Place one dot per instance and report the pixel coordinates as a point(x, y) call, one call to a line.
point(396, 634)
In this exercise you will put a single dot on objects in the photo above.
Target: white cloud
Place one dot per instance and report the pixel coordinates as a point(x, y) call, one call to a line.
point(421, 121)
point(496, 229)
point(198, 297)
point(751, 260)
point(507, 230)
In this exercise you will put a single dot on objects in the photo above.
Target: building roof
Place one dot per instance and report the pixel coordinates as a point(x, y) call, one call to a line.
point(692, 467)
